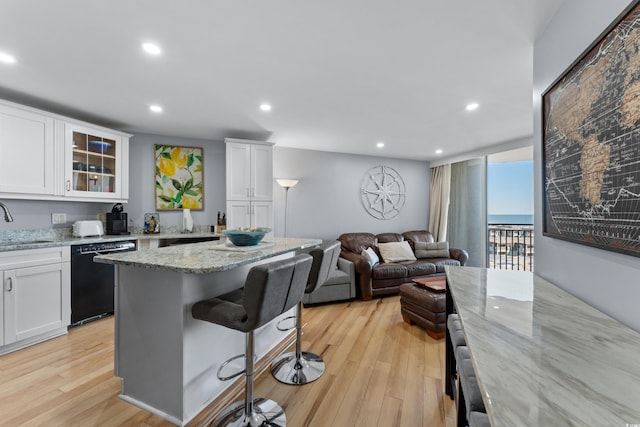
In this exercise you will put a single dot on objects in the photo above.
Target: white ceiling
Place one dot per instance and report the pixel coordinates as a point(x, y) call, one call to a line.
point(341, 74)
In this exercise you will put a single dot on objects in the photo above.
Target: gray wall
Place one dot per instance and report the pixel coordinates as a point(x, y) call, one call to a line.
point(326, 201)
point(606, 280)
point(35, 214)
point(142, 181)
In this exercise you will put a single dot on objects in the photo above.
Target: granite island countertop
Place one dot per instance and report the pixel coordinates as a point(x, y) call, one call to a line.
point(205, 257)
point(543, 357)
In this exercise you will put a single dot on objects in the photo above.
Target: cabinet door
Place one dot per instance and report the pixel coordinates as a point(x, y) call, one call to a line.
point(26, 152)
point(238, 171)
point(36, 300)
point(93, 163)
point(262, 214)
point(238, 214)
point(262, 172)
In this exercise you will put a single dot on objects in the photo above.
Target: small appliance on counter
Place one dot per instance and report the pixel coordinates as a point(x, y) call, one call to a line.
point(87, 228)
point(117, 221)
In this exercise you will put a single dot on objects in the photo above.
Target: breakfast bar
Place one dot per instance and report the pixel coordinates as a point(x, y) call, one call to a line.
point(166, 359)
point(541, 356)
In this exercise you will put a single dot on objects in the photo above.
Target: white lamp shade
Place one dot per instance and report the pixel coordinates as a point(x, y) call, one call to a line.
point(286, 183)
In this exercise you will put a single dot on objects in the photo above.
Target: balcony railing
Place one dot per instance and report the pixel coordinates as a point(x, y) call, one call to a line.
point(510, 247)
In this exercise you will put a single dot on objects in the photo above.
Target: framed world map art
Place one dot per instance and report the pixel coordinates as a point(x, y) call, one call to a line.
point(591, 143)
point(178, 178)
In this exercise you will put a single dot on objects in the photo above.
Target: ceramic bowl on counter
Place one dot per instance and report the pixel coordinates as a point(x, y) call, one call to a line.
point(249, 237)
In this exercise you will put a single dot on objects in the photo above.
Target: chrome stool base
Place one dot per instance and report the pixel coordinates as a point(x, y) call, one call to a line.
point(289, 369)
point(265, 413)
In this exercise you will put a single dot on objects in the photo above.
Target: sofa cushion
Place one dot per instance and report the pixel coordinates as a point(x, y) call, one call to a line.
point(389, 237)
point(440, 263)
point(420, 268)
point(417, 236)
point(357, 242)
point(431, 249)
point(371, 255)
point(396, 251)
point(337, 277)
point(389, 270)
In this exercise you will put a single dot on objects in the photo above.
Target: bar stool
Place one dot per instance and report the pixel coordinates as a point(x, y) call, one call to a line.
point(302, 367)
point(469, 395)
point(270, 289)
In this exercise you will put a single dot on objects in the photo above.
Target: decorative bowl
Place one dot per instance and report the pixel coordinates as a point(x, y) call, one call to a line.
point(250, 237)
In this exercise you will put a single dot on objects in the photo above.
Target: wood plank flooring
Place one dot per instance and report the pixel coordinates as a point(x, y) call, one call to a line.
point(380, 372)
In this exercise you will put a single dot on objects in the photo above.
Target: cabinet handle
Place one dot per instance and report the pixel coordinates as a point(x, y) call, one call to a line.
point(253, 192)
point(248, 192)
point(253, 210)
point(68, 185)
point(10, 282)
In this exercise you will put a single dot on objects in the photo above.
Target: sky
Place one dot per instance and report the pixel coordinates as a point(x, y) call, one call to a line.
point(510, 188)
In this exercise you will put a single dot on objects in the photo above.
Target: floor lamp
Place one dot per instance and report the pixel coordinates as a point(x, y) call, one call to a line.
point(286, 184)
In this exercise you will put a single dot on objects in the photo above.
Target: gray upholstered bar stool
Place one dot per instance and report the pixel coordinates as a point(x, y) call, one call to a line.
point(302, 367)
point(469, 395)
point(270, 289)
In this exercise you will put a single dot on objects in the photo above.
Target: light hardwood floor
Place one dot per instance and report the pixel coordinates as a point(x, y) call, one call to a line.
point(380, 372)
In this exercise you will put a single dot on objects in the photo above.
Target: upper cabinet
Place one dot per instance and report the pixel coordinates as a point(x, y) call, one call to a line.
point(50, 157)
point(249, 183)
point(94, 163)
point(249, 170)
point(26, 151)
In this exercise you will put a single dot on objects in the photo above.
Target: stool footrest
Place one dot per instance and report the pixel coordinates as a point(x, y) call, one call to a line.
point(284, 320)
point(235, 374)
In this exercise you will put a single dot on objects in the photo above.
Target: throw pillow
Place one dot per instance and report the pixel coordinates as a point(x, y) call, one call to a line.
point(432, 250)
point(370, 254)
point(396, 251)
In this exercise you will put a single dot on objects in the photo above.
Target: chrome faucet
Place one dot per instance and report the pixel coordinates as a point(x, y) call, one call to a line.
point(7, 214)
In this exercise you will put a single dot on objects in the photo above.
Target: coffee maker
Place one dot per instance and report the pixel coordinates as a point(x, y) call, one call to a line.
point(117, 220)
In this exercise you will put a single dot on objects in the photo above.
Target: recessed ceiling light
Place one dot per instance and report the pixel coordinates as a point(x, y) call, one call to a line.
point(380, 144)
point(472, 106)
point(5, 57)
point(151, 48)
point(155, 108)
point(265, 107)
point(439, 151)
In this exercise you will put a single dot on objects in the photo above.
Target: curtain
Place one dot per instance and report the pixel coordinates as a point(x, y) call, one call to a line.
point(467, 227)
point(439, 201)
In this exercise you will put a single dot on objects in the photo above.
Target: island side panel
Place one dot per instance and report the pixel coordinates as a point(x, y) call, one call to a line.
point(148, 339)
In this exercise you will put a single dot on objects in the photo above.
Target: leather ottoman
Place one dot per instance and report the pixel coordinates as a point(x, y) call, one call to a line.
point(424, 307)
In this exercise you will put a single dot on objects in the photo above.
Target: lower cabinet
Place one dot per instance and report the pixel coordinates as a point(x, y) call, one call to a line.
point(36, 297)
point(246, 214)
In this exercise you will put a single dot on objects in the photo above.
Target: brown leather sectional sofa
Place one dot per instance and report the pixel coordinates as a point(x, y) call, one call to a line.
point(385, 278)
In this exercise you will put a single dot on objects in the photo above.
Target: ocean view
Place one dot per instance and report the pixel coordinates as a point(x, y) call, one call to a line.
point(520, 219)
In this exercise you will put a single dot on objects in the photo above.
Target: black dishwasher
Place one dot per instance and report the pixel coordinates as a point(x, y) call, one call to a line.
point(92, 283)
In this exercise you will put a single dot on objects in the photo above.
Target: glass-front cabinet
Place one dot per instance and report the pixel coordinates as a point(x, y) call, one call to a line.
point(94, 163)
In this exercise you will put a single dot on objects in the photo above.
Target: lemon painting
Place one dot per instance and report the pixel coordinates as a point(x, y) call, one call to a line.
point(178, 177)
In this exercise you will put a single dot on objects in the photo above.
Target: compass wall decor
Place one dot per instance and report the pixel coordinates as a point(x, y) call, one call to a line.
point(382, 192)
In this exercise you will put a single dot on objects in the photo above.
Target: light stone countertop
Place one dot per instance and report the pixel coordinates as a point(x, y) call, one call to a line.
point(203, 258)
point(543, 357)
point(30, 239)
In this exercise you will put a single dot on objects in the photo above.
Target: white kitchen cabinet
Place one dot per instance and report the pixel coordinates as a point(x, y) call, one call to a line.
point(44, 156)
point(245, 214)
point(26, 151)
point(96, 163)
point(249, 183)
point(36, 295)
point(249, 170)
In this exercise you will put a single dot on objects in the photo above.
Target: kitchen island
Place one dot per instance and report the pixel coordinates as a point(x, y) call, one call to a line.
point(166, 359)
